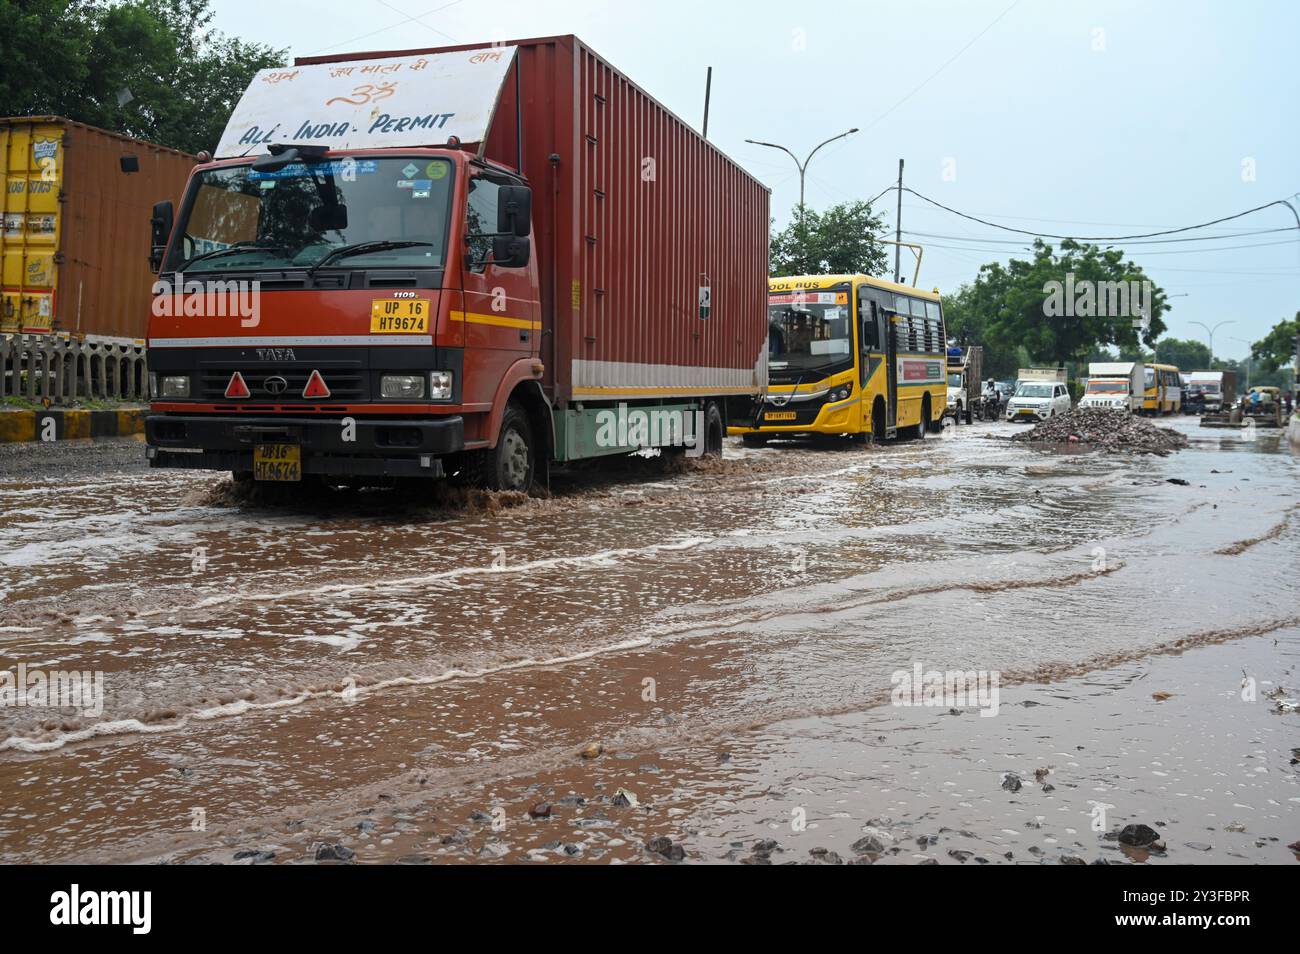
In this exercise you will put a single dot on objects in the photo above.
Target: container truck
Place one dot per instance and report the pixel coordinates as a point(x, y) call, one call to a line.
point(1119, 385)
point(74, 258)
point(471, 260)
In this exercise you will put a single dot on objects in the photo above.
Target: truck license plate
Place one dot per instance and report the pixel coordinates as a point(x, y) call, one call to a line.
point(282, 462)
point(779, 416)
point(399, 316)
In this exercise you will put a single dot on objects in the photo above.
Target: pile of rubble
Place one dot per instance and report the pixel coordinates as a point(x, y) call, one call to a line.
point(1105, 429)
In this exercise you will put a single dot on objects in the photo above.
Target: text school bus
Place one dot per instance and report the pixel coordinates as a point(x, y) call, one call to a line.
point(851, 355)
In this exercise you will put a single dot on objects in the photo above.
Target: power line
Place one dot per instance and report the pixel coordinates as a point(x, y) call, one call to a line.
point(363, 36)
point(943, 66)
point(1199, 238)
point(1106, 238)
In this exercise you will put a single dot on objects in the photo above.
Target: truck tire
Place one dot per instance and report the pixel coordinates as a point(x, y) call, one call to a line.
point(970, 414)
point(714, 431)
point(512, 464)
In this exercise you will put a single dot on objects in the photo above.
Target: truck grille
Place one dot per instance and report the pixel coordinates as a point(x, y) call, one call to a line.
point(346, 381)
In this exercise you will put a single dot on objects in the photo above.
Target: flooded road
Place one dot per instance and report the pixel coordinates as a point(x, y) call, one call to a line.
point(407, 677)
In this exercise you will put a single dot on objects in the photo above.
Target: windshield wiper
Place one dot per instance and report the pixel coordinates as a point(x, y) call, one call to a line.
point(359, 248)
point(229, 250)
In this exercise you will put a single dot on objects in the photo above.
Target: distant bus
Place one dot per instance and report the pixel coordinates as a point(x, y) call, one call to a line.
point(851, 355)
point(1164, 390)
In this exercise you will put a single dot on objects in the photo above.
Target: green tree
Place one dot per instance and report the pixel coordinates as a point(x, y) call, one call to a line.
point(154, 69)
point(1024, 304)
point(1278, 347)
point(1186, 354)
point(839, 241)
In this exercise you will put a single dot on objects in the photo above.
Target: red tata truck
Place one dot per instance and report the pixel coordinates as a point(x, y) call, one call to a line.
point(467, 260)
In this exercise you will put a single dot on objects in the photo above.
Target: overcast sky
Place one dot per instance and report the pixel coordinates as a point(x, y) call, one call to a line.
point(1088, 118)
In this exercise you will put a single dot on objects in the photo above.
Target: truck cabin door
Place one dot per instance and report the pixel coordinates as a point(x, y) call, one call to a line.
point(499, 306)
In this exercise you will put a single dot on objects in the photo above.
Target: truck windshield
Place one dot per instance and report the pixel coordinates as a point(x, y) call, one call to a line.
point(809, 330)
point(1107, 387)
point(954, 379)
point(237, 218)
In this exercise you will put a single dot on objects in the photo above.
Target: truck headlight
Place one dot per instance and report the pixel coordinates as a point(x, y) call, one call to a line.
point(408, 386)
point(174, 386)
point(440, 383)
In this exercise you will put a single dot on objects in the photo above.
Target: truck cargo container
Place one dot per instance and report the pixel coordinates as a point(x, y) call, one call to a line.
point(75, 260)
point(581, 257)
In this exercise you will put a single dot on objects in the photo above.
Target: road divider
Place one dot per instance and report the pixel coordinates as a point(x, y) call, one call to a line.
point(62, 424)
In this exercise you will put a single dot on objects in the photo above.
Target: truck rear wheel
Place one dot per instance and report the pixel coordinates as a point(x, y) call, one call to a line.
point(512, 464)
point(713, 430)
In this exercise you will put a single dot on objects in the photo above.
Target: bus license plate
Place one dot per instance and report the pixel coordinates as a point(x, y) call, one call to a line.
point(779, 416)
point(279, 462)
point(390, 316)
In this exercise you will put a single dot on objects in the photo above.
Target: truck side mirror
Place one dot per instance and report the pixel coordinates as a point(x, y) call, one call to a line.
point(509, 251)
point(515, 211)
point(160, 230)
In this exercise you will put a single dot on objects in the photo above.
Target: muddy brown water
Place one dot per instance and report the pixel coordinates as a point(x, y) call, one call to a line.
point(407, 674)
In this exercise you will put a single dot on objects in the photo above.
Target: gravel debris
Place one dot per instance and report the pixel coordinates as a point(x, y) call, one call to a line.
point(1106, 429)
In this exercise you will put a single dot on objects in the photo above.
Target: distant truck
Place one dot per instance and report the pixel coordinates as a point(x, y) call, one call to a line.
point(964, 383)
point(73, 259)
point(1119, 385)
point(1219, 389)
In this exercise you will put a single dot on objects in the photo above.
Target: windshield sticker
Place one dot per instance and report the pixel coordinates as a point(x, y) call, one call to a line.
point(406, 183)
point(335, 167)
point(437, 170)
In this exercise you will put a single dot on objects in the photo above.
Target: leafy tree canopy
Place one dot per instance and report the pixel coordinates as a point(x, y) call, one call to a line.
point(1278, 347)
point(1052, 305)
point(839, 241)
point(154, 69)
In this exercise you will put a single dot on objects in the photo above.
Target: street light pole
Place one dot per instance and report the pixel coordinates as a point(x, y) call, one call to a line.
point(1210, 331)
point(803, 166)
point(1249, 362)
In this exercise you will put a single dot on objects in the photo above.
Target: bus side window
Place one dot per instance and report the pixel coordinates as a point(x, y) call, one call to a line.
point(866, 323)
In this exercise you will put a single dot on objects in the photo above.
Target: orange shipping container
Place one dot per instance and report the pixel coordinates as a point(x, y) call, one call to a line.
point(74, 248)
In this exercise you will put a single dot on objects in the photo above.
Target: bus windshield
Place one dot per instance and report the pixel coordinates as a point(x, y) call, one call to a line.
point(235, 217)
point(809, 330)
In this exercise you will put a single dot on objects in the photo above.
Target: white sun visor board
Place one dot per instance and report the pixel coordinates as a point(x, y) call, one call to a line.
point(363, 104)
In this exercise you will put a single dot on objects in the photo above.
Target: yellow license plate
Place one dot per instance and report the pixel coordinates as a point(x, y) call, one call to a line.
point(282, 462)
point(779, 416)
point(397, 316)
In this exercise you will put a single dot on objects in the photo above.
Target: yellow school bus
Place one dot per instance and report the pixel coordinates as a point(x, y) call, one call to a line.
point(1164, 390)
point(852, 355)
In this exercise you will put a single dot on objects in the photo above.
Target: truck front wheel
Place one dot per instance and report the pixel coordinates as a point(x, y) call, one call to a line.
point(512, 464)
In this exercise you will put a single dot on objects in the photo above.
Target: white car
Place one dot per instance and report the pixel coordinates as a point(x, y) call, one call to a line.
point(1037, 401)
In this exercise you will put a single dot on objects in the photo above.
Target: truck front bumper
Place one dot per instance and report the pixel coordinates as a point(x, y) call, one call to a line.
point(382, 447)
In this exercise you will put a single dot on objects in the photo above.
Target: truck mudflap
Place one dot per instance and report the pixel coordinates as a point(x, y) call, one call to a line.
point(382, 447)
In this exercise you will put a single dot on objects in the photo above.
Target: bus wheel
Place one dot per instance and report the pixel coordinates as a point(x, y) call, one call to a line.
point(713, 430)
point(923, 425)
point(754, 440)
point(878, 422)
point(513, 462)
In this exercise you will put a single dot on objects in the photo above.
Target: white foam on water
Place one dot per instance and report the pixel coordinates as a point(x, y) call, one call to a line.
point(136, 727)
